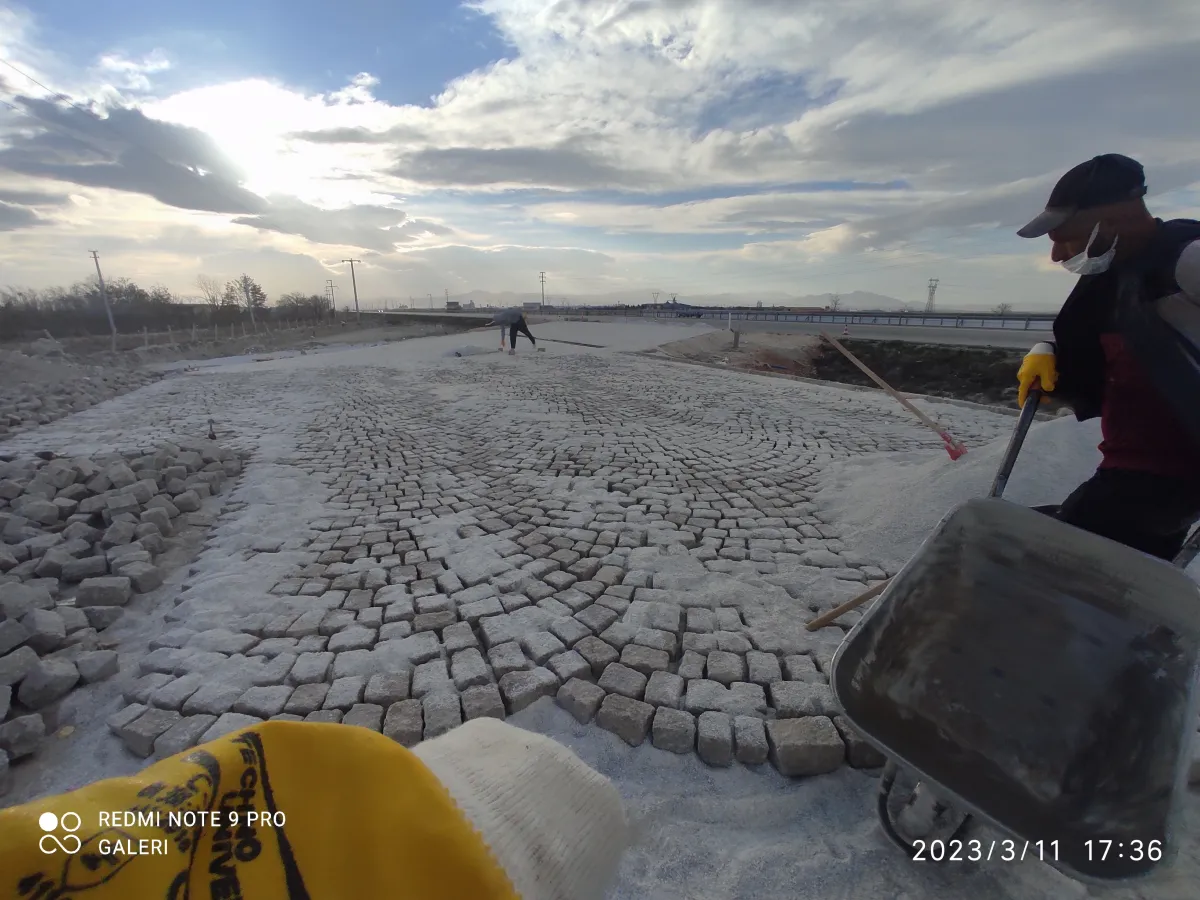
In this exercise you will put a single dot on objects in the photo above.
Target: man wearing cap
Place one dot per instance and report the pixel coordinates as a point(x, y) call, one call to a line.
point(1126, 348)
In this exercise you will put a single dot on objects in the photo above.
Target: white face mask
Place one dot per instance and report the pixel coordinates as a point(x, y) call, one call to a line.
point(1091, 265)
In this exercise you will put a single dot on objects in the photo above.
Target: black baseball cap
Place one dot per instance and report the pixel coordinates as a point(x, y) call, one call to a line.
point(1110, 178)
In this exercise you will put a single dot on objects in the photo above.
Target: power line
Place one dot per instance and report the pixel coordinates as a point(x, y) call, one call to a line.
point(56, 94)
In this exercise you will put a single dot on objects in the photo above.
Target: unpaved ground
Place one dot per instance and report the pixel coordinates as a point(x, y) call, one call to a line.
point(43, 380)
point(978, 374)
point(756, 351)
point(239, 341)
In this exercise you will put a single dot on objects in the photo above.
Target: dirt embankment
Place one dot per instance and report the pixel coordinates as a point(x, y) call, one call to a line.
point(978, 374)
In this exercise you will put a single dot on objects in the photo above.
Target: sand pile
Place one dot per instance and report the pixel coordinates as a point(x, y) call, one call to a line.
point(887, 503)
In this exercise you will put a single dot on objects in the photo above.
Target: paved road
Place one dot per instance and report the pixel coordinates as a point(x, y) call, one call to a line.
point(964, 337)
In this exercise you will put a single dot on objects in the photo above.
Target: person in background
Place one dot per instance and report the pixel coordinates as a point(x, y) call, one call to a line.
point(514, 321)
point(330, 812)
point(1126, 348)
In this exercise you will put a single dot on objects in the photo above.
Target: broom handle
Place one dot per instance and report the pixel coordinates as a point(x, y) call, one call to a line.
point(837, 612)
point(899, 398)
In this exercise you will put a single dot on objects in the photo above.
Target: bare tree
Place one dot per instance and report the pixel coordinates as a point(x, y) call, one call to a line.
point(211, 292)
point(1003, 309)
point(835, 302)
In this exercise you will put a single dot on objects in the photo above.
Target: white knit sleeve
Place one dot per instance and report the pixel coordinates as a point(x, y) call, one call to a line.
point(1187, 271)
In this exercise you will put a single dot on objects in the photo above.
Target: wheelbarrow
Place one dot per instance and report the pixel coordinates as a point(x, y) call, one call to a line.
point(1036, 678)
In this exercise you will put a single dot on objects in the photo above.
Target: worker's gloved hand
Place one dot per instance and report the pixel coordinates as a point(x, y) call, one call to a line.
point(1037, 368)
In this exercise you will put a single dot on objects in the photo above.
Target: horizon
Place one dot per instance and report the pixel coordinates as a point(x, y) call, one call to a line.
point(693, 147)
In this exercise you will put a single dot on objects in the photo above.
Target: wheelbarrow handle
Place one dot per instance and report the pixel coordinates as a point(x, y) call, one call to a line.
point(1032, 400)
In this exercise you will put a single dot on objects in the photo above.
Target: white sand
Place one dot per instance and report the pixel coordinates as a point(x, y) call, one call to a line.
point(888, 502)
point(738, 834)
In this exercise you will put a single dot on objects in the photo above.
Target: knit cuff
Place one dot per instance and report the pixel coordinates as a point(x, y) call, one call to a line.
point(555, 826)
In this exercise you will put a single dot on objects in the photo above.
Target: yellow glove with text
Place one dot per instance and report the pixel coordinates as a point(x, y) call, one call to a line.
point(287, 810)
point(1038, 367)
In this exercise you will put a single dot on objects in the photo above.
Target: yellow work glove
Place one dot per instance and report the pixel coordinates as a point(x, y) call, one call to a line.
point(1038, 367)
point(283, 810)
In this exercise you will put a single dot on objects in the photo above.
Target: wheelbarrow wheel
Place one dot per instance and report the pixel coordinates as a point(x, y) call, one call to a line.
point(887, 783)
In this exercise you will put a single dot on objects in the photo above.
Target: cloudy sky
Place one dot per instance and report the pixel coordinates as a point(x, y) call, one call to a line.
point(684, 146)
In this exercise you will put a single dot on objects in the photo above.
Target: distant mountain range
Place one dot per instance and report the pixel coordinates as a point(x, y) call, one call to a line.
point(853, 300)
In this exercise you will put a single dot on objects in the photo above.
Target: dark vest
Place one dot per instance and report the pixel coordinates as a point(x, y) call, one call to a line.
point(1135, 300)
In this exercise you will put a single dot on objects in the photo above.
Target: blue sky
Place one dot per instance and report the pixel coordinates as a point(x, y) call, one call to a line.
point(696, 147)
point(414, 48)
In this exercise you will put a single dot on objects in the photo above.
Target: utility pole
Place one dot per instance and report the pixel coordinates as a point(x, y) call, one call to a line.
point(654, 294)
point(447, 298)
point(354, 284)
point(542, 277)
point(112, 326)
point(933, 283)
point(431, 301)
point(332, 288)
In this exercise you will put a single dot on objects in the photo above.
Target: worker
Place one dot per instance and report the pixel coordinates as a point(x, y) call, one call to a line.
point(1126, 348)
point(514, 320)
point(289, 810)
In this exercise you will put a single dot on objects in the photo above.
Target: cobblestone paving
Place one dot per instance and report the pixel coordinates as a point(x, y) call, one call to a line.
point(634, 539)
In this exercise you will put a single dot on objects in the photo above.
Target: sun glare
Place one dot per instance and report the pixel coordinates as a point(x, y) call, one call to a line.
point(251, 121)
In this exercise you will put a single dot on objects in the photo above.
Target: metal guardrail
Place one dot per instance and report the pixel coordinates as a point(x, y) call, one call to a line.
point(1033, 322)
point(1008, 323)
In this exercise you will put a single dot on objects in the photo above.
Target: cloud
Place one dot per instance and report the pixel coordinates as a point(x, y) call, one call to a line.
point(628, 114)
point(132, 74)
point(571, 164)
point(26, 197)
point(376, 228)
point(13, 217)
point(126, 150)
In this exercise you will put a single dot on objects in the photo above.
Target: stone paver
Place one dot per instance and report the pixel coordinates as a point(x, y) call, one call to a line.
point(808, 746)
point(714, 738)
point(581, 699)
point(673, 730)
point(634, 543)
point(626, 718)
point(404, 722)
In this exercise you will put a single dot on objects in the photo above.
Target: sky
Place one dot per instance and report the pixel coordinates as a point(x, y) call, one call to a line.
point(761, 148)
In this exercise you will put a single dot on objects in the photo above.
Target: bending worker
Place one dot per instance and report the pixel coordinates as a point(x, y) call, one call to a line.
point(292, 810)
point(1127, 349)
point(514, 320)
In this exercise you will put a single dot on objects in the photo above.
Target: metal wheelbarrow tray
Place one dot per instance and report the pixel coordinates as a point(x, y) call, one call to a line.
point(1039, 677)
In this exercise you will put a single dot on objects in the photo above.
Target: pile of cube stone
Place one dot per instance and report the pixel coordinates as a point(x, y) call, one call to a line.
point(78, 538)
point(27, 401)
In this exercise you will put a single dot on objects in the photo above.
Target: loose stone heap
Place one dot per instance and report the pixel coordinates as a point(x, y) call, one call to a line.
point(44, 385)
point(79, 537)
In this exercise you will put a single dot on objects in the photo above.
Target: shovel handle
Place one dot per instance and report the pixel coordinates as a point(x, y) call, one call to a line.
point(1032, 400)
point(838, 611)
